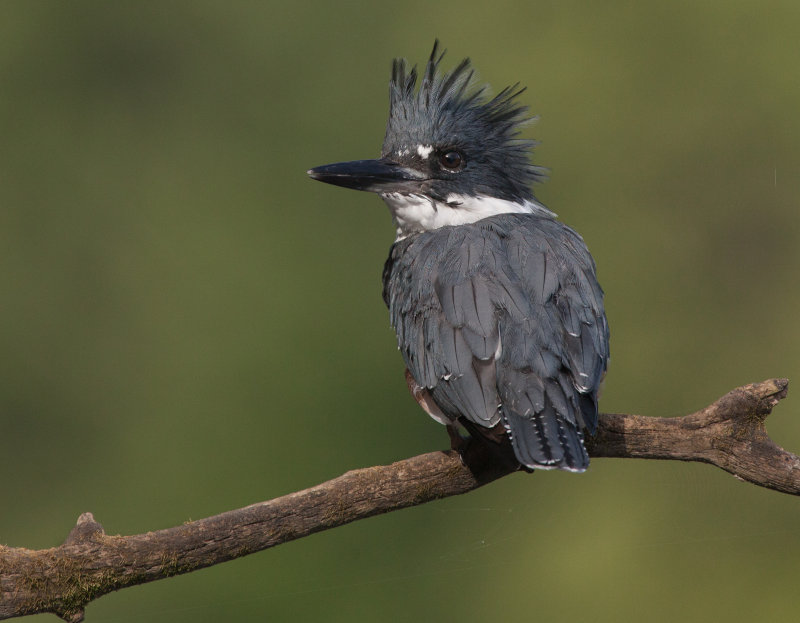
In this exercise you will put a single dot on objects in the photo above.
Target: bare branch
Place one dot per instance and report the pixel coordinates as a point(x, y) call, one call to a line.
point(729, 434)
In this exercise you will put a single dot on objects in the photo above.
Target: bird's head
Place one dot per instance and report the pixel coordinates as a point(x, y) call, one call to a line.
point(451, 154)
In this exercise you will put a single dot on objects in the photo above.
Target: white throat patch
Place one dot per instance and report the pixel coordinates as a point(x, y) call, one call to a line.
point(417, 213)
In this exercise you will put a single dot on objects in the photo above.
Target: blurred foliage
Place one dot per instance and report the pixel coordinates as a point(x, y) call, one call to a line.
point(189, 325)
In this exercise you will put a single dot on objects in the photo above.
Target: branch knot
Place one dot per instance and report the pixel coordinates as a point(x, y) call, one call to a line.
point(86, 530)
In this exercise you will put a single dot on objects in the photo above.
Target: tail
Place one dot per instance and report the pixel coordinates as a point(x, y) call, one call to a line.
point(546, 440)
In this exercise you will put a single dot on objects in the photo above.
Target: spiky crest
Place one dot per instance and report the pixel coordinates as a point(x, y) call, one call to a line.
point(448, 110)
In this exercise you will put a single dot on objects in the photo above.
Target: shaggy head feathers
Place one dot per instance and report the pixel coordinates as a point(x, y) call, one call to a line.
point(448, 113)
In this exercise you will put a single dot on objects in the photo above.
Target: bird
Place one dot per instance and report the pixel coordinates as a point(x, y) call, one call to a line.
point(496, 305)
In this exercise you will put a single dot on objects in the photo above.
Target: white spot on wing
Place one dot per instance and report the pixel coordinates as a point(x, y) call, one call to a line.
point(499, 350)
point(424, 151)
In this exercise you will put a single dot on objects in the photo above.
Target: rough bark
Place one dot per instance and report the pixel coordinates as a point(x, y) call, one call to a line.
point(730, 434)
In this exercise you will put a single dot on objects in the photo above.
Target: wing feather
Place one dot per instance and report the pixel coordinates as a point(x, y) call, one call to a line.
point(503, 320)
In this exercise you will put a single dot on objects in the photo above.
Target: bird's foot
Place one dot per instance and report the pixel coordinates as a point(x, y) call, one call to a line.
point(457, 442)
point(479, 454)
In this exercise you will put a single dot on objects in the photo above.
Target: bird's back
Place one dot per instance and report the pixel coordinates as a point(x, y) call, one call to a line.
point(502, 322)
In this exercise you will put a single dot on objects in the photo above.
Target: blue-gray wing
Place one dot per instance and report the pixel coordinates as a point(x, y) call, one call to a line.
point(502, 321)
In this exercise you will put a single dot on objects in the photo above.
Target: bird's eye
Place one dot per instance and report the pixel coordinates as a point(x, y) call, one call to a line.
point(451, 160)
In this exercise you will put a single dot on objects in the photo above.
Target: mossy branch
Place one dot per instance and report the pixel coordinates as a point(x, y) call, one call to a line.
point(730, 434)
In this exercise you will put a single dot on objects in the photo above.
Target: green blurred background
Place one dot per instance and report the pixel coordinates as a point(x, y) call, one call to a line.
point(189, 325)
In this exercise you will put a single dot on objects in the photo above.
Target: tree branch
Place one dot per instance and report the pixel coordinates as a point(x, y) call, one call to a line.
point(730, 434)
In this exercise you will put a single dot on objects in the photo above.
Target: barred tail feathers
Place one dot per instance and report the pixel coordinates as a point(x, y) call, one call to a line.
point(546, 440)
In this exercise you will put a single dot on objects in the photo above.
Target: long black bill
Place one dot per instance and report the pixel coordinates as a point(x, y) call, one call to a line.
point(377, 176)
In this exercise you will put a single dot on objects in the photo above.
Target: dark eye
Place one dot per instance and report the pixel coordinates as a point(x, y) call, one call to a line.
point(451, 160)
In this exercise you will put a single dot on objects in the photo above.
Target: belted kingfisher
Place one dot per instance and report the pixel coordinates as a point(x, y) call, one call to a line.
point(496, 305)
